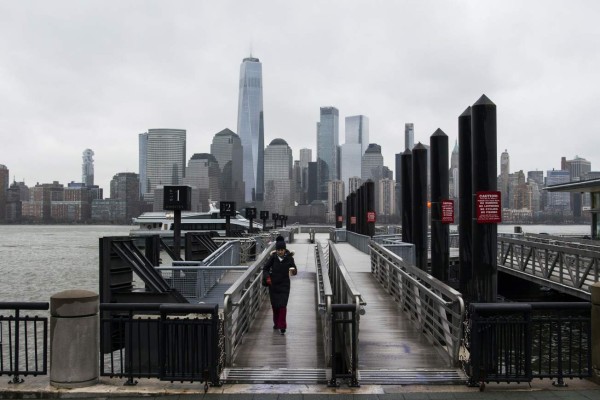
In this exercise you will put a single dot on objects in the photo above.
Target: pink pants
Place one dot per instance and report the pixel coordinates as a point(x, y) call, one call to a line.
point(279, 314)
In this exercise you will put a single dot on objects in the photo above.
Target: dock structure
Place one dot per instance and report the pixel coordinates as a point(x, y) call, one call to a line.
point(392, 352)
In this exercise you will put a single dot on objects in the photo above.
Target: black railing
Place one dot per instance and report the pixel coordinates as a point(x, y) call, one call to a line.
point(516, 342)
point(344, 344)
point(23, 341)
point(173, 342)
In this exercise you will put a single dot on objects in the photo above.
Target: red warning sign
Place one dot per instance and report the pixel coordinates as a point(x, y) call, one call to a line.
point(447, 211)
point(489, 207)
point(371, 216)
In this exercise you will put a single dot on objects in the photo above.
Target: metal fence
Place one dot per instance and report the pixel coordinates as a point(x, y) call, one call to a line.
point(241, 303)
point(435, 308)
point(23, 340)
point(324, 298)
point(347, 301)
point(516, 342)
point(172, 342)
point(551, 261)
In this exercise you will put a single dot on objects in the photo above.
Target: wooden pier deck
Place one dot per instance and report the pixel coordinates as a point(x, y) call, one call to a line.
point(390, 349)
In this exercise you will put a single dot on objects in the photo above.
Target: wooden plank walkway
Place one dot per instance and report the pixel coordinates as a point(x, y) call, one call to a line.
point(387, 339)
point(391, 351)
point(301, 346)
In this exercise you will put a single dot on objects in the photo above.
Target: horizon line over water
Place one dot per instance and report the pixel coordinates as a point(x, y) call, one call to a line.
point(38, 261)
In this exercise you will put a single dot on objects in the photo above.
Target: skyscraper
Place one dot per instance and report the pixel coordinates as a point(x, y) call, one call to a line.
point(327, 146)
point(3, 191)
point(371, 161)
point(87, 168)
point(409, 135)
point(162, 159)
point(352, 151)
point(278, 177)
point(227, 149)
point(503, 182)
point(125, 187)
point(203, 175)
point(251, 127)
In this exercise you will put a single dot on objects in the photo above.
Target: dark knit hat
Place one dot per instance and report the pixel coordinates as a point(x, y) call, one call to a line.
point(279, 243)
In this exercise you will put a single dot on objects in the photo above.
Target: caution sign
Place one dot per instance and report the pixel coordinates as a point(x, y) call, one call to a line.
point(447, 211)
point(489, 207)
point(371, 216)
point(352, 220)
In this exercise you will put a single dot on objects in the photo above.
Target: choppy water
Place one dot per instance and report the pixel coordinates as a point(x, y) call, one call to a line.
point(37, 261)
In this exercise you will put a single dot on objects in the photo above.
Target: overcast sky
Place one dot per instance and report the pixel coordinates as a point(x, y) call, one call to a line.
point(95, 74)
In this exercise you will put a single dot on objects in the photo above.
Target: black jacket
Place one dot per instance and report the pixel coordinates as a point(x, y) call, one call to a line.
point(279, 290)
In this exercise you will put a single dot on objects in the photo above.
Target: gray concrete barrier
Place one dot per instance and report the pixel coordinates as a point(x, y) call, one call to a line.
point(74, 339)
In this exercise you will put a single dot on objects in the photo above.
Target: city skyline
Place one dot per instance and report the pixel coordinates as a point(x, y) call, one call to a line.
point(81, 76)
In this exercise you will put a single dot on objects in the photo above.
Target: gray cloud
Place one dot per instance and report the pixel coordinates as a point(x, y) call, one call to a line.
point(94, 74)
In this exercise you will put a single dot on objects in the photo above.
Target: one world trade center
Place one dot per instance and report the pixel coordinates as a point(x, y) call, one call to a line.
point(250, 127)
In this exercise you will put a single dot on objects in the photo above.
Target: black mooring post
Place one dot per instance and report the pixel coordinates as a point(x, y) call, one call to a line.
point(352, 213)
point(484, 170)
point(359, 206)
point(338, 215)
point(370, 206)
point(440, 233)
point(177, 233)
point(465, 204)
point(406, 177)
point(419, 204)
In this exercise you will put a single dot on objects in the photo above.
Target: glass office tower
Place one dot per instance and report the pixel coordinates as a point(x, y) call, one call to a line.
point(251, 127)
point(327, 146)
point(162, 159)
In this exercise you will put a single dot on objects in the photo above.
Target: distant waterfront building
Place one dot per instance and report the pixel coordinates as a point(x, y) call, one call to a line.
point(371, 161)
point(327, 147)
point(354, 183)
point(16, 194)
point(227, 149)
point(250, 127)
point(203, 173)
point(162, 160)
point(87, 168)
point(278, 177)
point(313, 182)
point(3, 192)
point(557, 201)
point(409, 135)
point(357, 142)
point(503, 181)
point(39, 206)
point(386, 198)
point(126, 186)
point(335, 194)
point(453, 175)
point(578, 167)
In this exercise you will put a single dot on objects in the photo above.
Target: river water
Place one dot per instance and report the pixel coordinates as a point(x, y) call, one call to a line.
point(37, 261)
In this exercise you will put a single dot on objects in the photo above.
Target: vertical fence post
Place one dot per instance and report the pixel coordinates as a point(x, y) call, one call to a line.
point(595, 291)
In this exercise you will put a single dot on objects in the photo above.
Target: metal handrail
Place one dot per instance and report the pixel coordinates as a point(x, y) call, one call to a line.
point(551, 262)
point(242, 302)
point(345, 295)
point(435, 308)
point(324, 299)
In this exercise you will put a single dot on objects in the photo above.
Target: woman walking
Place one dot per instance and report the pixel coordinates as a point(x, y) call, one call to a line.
point(276, 275)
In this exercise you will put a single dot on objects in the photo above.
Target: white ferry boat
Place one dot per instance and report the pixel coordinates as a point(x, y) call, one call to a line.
point(162, 223)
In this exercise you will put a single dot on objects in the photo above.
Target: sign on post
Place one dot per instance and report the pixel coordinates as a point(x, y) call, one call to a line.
point(447, 211)
point(371, 216)
point(251, 213)
point(353, 220)
point(227, 208)
point(177, 198)
point(488, 205)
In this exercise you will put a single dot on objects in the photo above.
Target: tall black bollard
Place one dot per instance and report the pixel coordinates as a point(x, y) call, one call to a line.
point(440, 233)
point(360, 198)
point(370, 207)
point(484, 170)
point(406, 161)
point(351, 218)
point(419, 204)
point(465, 204)
point(338, 215)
